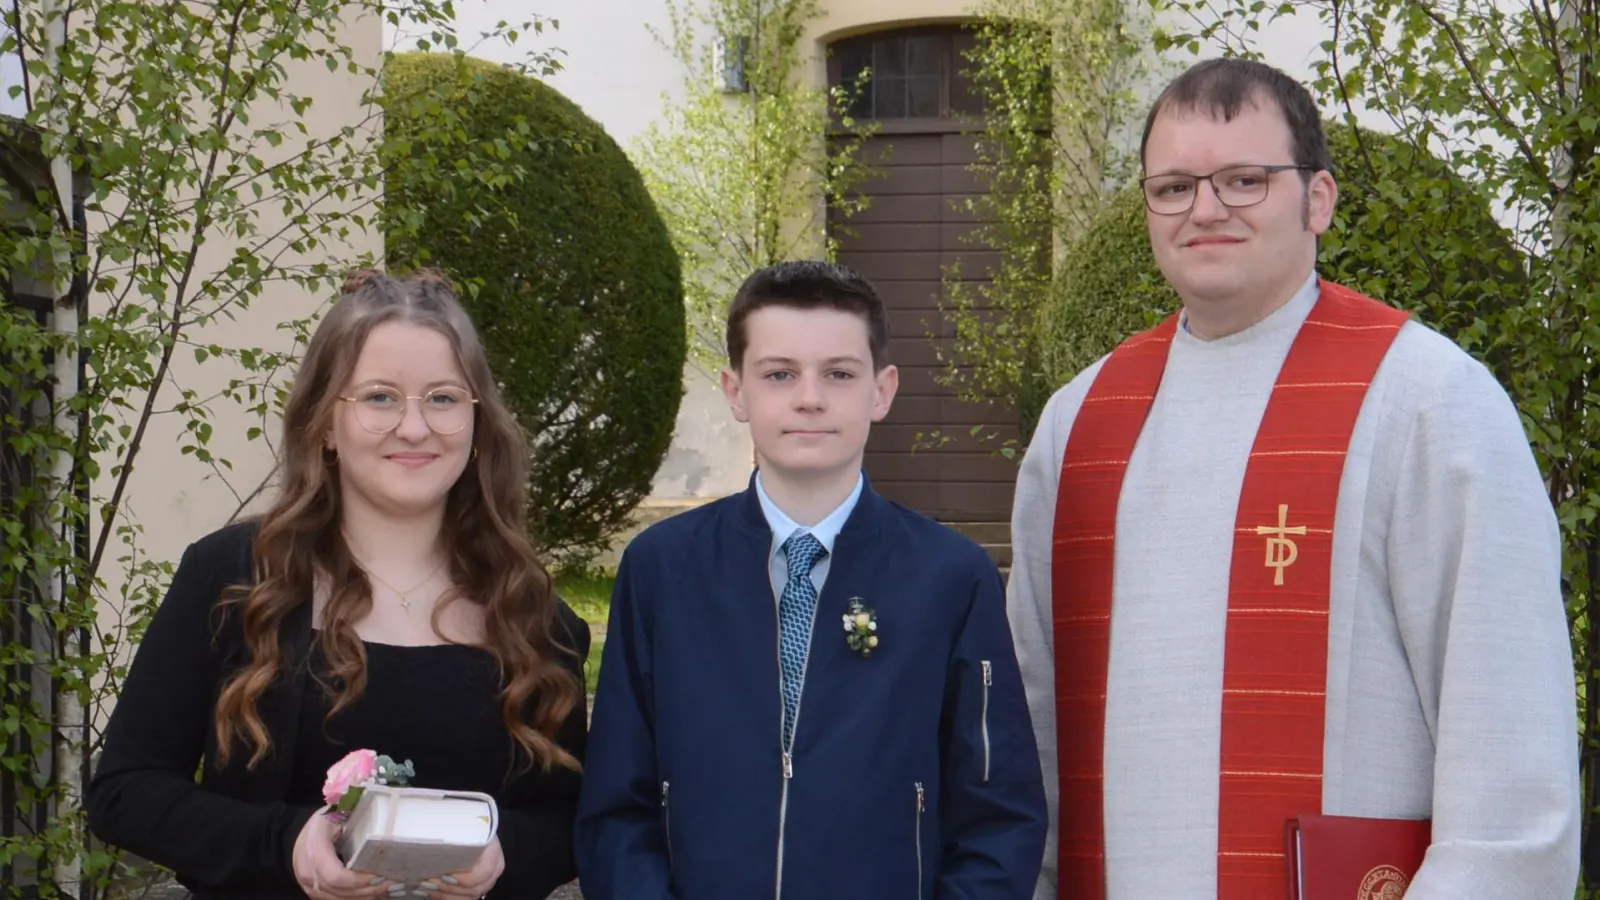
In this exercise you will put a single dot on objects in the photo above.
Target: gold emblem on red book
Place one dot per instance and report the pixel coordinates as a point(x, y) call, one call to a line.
point(1383, 883)
point(1281, 550)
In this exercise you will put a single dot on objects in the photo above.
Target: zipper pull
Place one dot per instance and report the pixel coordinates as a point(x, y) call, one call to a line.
point(988, 674)
point(919, 797)
point(664, 788)
point(788, 766)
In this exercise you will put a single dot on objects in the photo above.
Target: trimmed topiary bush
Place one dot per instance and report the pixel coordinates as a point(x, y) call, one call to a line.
point(1110, 286)
point(569, 273)
point(1411, 232)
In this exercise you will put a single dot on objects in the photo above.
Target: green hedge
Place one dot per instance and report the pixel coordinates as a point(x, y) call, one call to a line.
point(506, 184)
point(1110, 286)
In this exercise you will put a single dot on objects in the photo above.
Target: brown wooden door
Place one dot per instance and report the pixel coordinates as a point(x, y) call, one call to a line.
point(924, 454)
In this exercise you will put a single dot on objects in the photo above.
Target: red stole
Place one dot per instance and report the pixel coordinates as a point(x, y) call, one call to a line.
point(1275, 673)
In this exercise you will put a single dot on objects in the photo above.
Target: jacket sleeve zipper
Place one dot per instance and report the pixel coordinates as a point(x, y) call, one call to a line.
point(666, 819)
point(921, 805)
point(988, 680)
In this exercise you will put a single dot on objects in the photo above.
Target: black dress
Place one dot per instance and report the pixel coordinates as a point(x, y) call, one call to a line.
point(438, 706)
point(229, 835)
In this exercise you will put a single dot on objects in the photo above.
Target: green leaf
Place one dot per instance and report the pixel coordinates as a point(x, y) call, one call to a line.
point(351, 798)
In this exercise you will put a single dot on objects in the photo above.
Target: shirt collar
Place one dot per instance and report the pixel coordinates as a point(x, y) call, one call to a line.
point(825, 531)
point(1307, 294)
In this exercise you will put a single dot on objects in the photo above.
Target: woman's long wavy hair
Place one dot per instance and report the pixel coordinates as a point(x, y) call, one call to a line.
point(491, 561)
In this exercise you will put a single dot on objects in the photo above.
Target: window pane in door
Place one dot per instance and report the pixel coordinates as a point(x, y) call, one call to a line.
point(923, 97)
point(966, 98)
point(889, 98)
point(889, 57)
point(853, 57)
point(854, 60)
point(923, 54)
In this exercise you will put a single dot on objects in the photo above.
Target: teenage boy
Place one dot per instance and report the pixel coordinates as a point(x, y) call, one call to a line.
point(808, 691)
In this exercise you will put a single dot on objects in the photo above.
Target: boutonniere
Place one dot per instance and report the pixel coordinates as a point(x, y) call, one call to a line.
point(349, 777)
point(861, 628)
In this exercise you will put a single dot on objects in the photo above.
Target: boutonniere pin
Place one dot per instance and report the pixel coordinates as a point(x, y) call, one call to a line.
point(861, 628)
point(349, 777)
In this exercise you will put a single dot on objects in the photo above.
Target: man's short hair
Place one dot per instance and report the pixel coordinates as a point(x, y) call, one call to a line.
point(808, 284)
point(1222, 87)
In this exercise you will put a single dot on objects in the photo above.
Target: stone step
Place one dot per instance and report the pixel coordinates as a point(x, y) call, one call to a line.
point(646, 514)
point(984, 532)
point(1000, 553)
point(995, 537)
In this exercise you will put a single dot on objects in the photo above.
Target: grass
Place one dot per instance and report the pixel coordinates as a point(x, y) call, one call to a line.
point(589, 595)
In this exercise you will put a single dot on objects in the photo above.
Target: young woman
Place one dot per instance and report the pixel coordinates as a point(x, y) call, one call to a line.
point(389, 600)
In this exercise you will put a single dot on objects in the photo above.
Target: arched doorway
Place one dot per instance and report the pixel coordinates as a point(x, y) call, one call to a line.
point(924, 455)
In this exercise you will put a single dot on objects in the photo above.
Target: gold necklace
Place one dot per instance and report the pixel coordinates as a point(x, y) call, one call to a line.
point(405, 598)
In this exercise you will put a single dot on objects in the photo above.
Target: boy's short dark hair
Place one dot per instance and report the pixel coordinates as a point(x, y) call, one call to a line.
point(1222, 87)
point(808, 284)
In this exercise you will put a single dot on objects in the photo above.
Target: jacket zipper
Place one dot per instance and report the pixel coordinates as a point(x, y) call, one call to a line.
point(788, 756)
point(988, 679)
point(783, 819)
point(666, 819)
point(920, 807)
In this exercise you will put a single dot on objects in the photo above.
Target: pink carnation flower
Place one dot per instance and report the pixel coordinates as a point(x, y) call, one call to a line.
point(355, 770)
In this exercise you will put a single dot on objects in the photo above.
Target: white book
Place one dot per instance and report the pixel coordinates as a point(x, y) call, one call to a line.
point(413, 834)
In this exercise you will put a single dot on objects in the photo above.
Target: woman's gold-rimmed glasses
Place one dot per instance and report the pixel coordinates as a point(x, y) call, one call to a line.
point(381, 409)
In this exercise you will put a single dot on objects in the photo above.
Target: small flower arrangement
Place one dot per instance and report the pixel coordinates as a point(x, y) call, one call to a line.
point(349, 777)
point(860, 627)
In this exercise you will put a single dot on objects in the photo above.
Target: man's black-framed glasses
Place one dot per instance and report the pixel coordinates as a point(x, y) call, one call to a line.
point(1235, 186)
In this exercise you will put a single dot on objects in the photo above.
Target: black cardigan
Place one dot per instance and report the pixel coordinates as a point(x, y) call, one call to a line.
point(232, 834)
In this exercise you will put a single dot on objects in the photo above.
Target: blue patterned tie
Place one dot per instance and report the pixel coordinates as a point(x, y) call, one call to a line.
point(796, 610)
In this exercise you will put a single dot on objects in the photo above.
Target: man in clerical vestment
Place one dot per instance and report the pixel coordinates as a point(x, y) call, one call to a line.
point(1287, 554)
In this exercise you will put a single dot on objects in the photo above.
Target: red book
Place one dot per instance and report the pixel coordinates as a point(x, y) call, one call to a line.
point(1350, 858)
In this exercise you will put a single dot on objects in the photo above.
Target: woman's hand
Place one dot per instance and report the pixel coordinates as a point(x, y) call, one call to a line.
point(475, 882)
point(320, 872)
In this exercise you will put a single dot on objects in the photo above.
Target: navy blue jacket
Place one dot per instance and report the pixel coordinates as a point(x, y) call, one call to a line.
point(914, 772)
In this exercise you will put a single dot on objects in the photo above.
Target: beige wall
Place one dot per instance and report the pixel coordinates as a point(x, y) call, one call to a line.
point(710, 454)
point(845, 18)
point(172, 496)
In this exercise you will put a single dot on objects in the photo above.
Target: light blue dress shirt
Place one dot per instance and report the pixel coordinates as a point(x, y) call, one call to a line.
point(825, 531)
